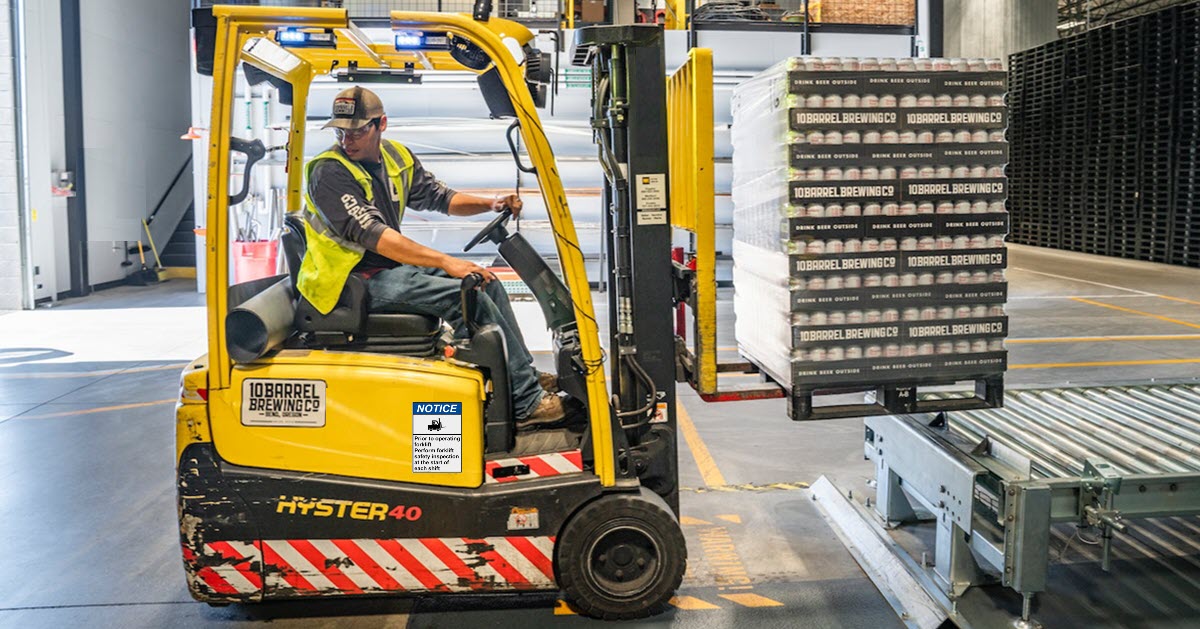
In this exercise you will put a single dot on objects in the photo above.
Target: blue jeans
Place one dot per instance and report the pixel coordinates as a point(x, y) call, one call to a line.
point(429, 291)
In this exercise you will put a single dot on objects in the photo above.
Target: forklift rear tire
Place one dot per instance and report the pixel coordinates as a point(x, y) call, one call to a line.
point(621, 556)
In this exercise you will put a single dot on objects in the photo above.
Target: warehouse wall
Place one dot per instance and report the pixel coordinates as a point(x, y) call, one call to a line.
point(136, 104)
point(45, 149)
point(10, 243)
point(991, 28)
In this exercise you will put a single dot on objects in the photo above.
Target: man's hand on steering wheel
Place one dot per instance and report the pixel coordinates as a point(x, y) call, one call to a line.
point(512, 202)
point(459, 268)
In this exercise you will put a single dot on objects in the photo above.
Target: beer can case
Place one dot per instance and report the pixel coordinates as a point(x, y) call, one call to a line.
point(869, 222)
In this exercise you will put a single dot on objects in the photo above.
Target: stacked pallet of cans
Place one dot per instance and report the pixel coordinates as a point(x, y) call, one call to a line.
point(869, 224)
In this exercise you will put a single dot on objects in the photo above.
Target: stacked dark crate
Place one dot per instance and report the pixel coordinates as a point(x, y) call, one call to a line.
point(1104, 135)
point(1119, 100)
point(1185, 238)
point(1102, 141)
point(1039, 77)
point(1071, 122)
point(1020, 162)
point(869, 223)
point(1155, 128)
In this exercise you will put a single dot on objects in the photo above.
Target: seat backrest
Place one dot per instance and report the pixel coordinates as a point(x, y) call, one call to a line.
point(294, 244)
point(349, 317)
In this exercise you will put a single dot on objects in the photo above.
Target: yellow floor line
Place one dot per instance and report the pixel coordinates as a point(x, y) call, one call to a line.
point(691, 603)
point(563, 608)
point(1180, 299)
point(732, 517)
point(1106, 339)
point(708, 467)
point(89, 374)
point(687, 520)
point(751, 600)
point(1108, 363)
point(102, 409)
point(1137, 312)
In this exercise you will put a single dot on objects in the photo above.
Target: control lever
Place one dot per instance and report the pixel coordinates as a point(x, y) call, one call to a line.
point(469, 300)
point(254, 150)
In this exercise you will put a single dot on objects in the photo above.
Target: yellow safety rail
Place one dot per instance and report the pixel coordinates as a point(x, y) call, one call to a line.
point(690, 151)
point(565, 239)
point(676, 14)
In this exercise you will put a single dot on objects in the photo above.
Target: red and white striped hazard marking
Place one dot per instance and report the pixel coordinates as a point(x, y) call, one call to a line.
point(540, 466)
point(361, 566)
point(228, 568)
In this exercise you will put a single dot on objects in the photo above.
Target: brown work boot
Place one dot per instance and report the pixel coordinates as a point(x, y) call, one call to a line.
point(548, 411)
point(548, 381)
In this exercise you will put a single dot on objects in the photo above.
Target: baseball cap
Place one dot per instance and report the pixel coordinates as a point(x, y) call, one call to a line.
point(354, 108)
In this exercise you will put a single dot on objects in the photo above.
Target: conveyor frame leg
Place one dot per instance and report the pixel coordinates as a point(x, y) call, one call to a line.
point(893, 506)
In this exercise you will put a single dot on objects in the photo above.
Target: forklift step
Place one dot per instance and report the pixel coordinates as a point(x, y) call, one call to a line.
point(517, 468)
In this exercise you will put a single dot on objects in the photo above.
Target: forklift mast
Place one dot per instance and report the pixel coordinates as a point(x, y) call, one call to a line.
point(629, 121)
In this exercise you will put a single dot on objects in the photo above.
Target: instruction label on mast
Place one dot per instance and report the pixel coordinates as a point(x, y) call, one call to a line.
point(437, 437)
point(650, 192)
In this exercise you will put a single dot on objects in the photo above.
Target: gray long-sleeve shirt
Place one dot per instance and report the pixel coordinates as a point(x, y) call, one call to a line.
point(345, 208)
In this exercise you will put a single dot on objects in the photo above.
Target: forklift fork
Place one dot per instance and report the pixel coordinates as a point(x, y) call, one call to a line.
point(690, 142)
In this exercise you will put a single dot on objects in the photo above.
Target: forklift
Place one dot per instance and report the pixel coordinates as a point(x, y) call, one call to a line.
point(363, 454)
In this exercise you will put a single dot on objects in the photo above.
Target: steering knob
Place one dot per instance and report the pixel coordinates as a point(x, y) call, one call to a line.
point(472, 281)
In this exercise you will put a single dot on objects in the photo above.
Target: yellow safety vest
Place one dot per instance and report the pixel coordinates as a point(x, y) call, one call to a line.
point(328, 258)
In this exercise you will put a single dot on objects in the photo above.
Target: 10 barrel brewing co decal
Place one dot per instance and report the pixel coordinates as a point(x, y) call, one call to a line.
point(283, 402)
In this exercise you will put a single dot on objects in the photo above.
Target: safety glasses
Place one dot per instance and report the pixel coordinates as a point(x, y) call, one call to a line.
point(355, 135)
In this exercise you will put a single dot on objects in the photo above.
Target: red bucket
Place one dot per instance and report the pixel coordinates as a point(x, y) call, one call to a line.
point(254, 260)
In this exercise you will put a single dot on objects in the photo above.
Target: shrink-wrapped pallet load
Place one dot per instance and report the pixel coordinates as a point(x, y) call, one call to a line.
point(869, 221)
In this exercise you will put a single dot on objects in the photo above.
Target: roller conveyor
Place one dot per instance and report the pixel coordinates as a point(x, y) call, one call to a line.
point(997, 481)
point(1144, 430)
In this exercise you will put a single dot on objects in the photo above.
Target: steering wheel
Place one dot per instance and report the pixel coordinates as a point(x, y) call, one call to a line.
point(486, 232)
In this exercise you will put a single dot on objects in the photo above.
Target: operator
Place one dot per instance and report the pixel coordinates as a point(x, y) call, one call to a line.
point(357, 193)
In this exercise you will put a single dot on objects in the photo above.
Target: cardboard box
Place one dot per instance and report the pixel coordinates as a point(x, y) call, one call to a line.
point(593, 10)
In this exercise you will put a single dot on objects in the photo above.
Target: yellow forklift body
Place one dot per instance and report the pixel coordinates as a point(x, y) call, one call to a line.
point(191, 411)
point(365, 431)
point(313, 472)
point(245, 33)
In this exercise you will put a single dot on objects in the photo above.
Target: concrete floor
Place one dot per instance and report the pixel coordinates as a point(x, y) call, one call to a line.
point(87, 519)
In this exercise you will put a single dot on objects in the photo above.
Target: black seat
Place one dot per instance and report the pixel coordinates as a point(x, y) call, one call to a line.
point(350, 322)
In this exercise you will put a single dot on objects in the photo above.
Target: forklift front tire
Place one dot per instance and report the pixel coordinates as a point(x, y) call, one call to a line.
point(621, 557)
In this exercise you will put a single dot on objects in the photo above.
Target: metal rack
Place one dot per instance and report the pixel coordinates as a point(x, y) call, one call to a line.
point(996, 481)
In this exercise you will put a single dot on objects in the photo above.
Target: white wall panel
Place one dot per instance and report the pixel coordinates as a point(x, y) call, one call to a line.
point(136, 105)
point(983, 28)
point(11, 283)
point(44, 148)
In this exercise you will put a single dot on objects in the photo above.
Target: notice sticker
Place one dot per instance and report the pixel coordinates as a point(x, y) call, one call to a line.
point(437, 437)
point(651, 191)
point(523, 519)
point(660, 413)
point(283, 402)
